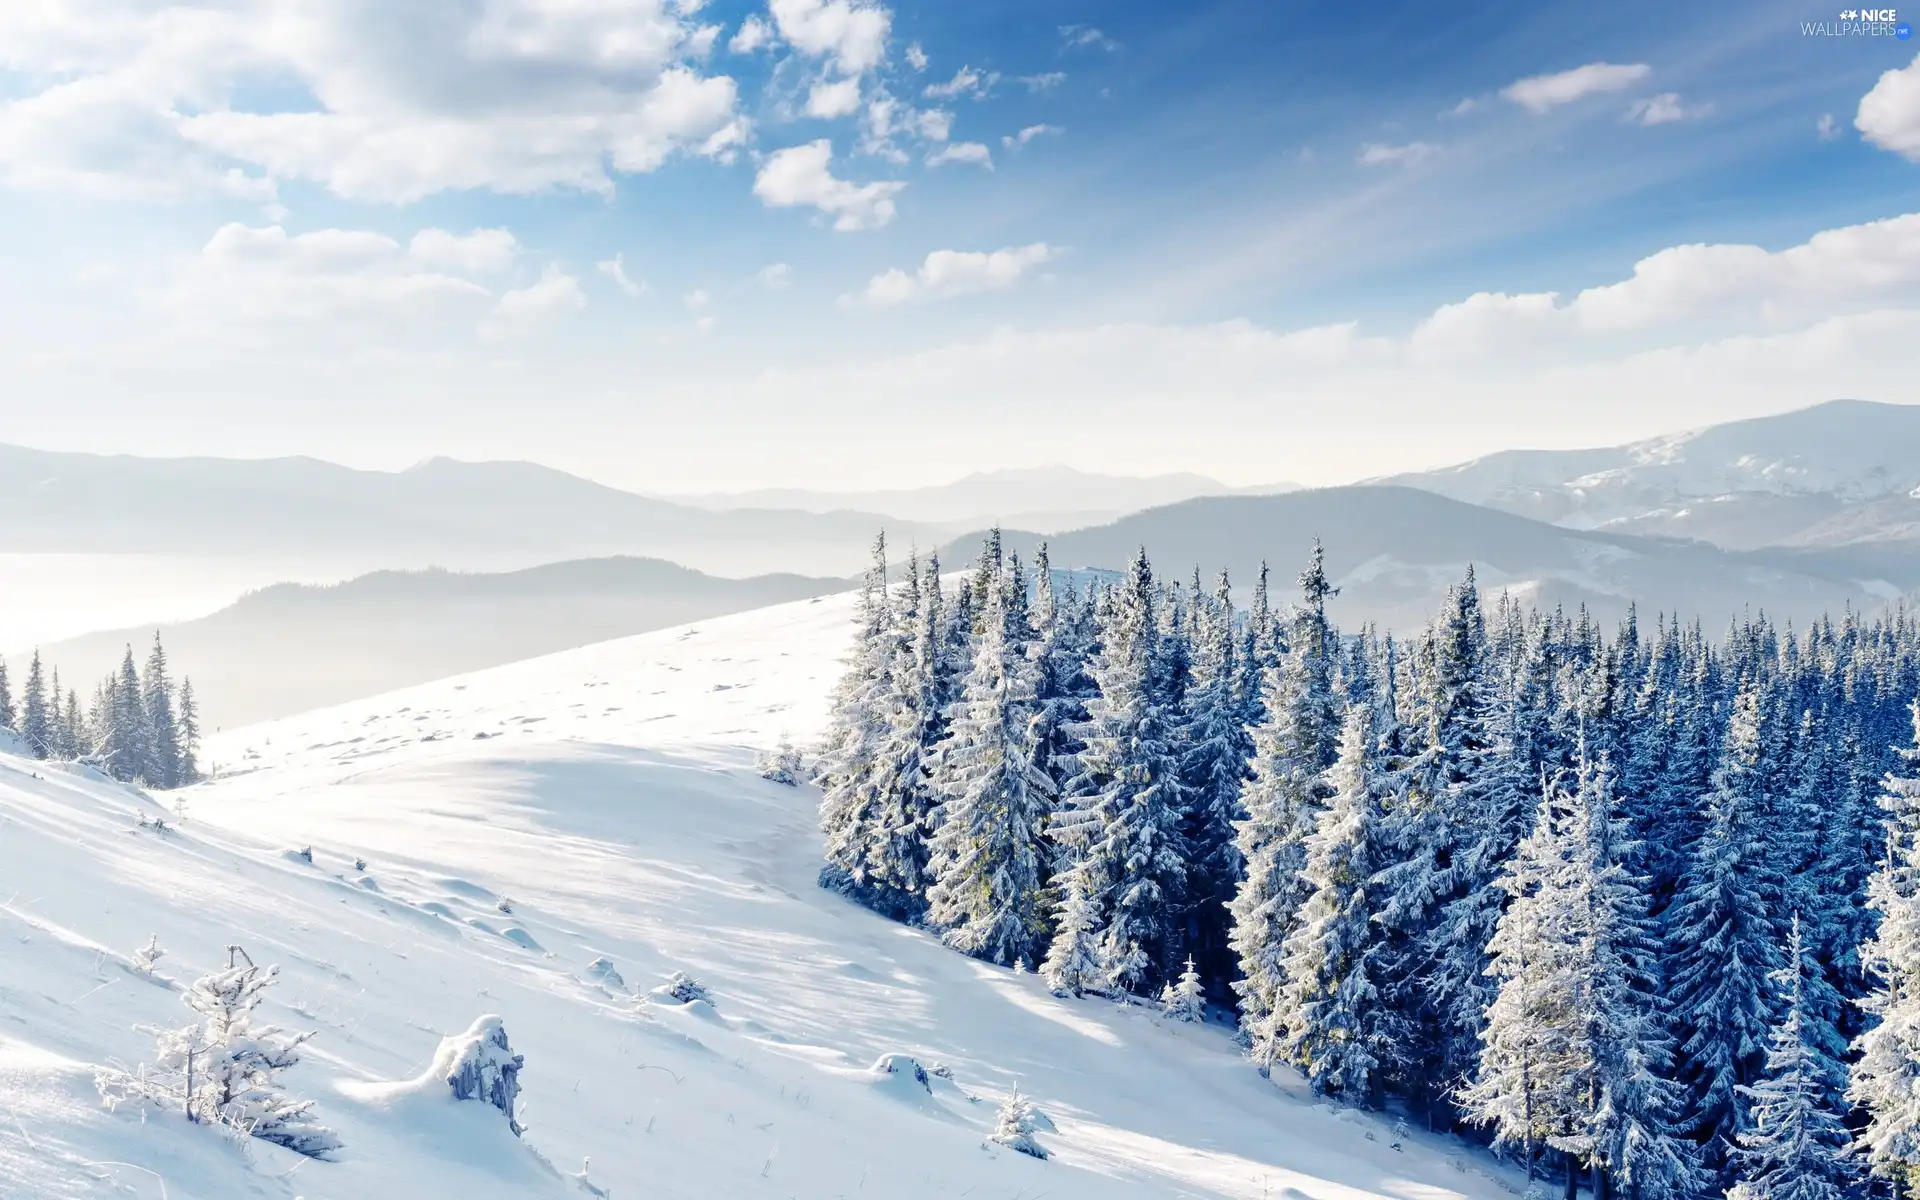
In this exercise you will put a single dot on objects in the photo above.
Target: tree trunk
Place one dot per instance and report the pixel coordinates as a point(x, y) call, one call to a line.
point(1573, 1178)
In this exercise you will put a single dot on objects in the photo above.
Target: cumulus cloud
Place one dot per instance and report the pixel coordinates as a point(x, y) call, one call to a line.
point(555, 293)
point(482, 252)
point(916, 57)
point(513, 95)
point(615, 268)
point(956, 273)
point(752, 34)
point(962, 152)
point(1889, 114)
point(829, 99)
point(774, 276)
point(965, 82)
point(1015, 140)
point(1376, 154)
point(1827, 127)
point(851, 33)
point(1540, 93)
point(800, 176)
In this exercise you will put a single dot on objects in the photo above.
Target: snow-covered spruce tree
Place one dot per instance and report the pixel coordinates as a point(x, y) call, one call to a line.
point(1214, 749)
point(1061, 683)
point(986, 859)
point(1574, 1055)
point(160, 732)
point(1885, 1083)
point(189, 713)
point(1797, 1146)
point(9, 718)
point(36, 720)
point(1072, 966)
point(1122, 819)
point(1725, 933)
point(1187, 999)
point(916, 720)
point(1013, 1128)
point(1281, 802)
point(856, 730)
point(224, 1069)
point(1337, 1029)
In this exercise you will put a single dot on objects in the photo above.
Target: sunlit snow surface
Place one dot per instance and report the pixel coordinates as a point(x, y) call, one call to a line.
point(606, 797)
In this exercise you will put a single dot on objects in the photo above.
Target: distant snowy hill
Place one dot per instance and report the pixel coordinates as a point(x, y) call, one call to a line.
point(1808, 477)
point(547, 842)
point(1395, 550)
point(290, 648)
point(443, 512)
point(1041, 498)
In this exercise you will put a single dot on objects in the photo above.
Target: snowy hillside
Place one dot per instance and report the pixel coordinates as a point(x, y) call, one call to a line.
point(547, 842)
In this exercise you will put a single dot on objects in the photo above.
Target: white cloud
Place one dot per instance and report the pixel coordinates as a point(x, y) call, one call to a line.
point(831, 99)
point(1078, 37)
point(853, 33)
point(1015, 140)
point(965, 82)
point(556, 293)
point(799, 176)
point(1827, 127)
point(752, 34)
point(774, 276)
point(916, 57)
point(1663, 109)
point(1889, 114)
point(887, 119)
point(962, 152)
point(482, 252)
point(1463, 108)
point(1539, 93)
point(1046, 81)
point(697, 299)
point(956, 273)
point(615, 268)
point(1375, 154)
point(513, 95)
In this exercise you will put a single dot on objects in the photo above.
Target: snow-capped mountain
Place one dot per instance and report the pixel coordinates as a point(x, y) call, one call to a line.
point(548, 842)
point(1764, 481)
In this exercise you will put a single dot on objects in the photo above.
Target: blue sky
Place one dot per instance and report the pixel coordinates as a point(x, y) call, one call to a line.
point(1260, 240)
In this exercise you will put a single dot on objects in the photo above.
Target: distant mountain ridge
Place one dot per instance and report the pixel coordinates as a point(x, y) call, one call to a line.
point(1044, 498)
point(1832, 474)
point(293, 647)
point(1395, 550)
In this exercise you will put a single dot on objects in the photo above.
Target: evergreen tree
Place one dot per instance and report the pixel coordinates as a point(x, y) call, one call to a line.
point(915, 721)
point(9, 719)
point(1797, 1146)
point(1337, 1029)
point(1282, 802)
point(161, 732)
point(36, 721)
point(1072, 966)
point(849, 754)
point(1213, 767)
point(74, 729)
point(1724, 934)
point(1123, 818)
point(1185, 1000)
point(986, 860)
point(189, 734)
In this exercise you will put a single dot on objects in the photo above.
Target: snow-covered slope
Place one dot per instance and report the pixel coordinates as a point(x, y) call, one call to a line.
point(605, 796)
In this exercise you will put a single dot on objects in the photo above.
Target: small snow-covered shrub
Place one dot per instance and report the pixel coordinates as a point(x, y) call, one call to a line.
point(223, 1069)
point(682, 988)
point(480, 1065)
point(1014, 1130)
point(782, 765)
point(1185, 1001)
point(148, 955)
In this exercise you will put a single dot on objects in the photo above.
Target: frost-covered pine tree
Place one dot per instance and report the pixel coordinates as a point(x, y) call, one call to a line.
point(36, 721)
point(1281, 802)
point(9, 719)
point(160, 733)
point(856, 730)
point(1072, 966)
point(1797, 1146)
point(1122, 821)
point(1337, 1030)
point(1187, 999)
point(224, 1069)
point(1725, 933)
point(189, 733)
point(1886, 1076)
point(1214, 749)
point(986, 860)
point(1013, 1127)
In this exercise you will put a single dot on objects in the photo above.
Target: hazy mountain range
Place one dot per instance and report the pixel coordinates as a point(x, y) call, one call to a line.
point(1041, 498)
point(294, 647)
